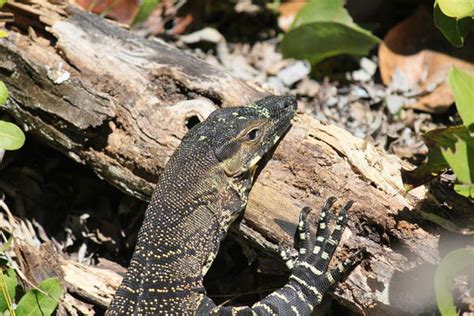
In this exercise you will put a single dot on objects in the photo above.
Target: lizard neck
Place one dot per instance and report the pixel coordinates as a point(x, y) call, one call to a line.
point(180, 235)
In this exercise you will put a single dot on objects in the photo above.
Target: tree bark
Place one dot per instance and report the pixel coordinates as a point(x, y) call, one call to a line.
point(120, 103)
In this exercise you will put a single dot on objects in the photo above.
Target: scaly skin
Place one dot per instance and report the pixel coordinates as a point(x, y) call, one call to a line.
point(203, 188)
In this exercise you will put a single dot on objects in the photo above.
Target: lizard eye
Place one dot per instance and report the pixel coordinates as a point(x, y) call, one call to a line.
point(253, 134)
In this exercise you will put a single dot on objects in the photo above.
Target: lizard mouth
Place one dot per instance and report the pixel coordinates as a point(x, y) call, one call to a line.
point(252, 171)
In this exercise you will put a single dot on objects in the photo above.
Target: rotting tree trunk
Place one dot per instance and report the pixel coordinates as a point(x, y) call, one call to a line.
point(121, 104)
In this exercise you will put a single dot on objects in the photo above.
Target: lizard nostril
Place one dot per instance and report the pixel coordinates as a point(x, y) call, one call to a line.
point(290, 103)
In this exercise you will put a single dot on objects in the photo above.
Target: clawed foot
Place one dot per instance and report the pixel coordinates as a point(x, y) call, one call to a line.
point(309, 269)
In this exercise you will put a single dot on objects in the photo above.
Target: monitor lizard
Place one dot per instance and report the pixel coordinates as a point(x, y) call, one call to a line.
point(201, 191)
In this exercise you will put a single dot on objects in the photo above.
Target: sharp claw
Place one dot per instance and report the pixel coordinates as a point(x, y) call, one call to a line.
point(329, 202)
point(361, 254)
point(304, 213)
point(348, 205)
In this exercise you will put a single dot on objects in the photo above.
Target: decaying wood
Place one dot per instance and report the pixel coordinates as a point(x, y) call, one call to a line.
point(121, 104)
point(95, 285)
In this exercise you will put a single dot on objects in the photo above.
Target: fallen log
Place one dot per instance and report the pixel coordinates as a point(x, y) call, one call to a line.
point(120, 104)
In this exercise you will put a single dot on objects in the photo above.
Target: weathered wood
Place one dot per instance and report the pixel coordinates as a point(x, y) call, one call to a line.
point(95, 285)
point(121, 104)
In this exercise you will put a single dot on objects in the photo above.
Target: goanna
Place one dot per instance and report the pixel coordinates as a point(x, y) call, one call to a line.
point(203, 188)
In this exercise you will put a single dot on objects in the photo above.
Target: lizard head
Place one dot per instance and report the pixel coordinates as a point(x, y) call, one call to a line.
point(239, 136)
point(249, 132)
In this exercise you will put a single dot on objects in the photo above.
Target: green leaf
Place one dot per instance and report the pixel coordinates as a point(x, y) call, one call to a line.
point(457, 148)
point(457, 8)
point(454, 30)
point(462, 85)
point(36, 303)
point(448, 147)
point(11, 136)
point(323, 11)
point(460, 154)
point(320, 40)
point(324, 28)
point(2, 3)
point(466, 190)
point(451, 266)
point(146, 8)
point(3, 93)
point(8, 285)
point(434, 166)
point(3, 33)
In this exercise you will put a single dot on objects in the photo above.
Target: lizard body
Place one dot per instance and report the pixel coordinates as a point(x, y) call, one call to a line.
point(201, 191)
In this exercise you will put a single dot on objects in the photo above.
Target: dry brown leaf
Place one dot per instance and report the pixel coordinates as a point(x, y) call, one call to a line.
point(288, 11)
point(415, 54)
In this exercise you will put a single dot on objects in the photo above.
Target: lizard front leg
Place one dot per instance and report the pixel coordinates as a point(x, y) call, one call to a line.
point(309, 279)
point(309, 271)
